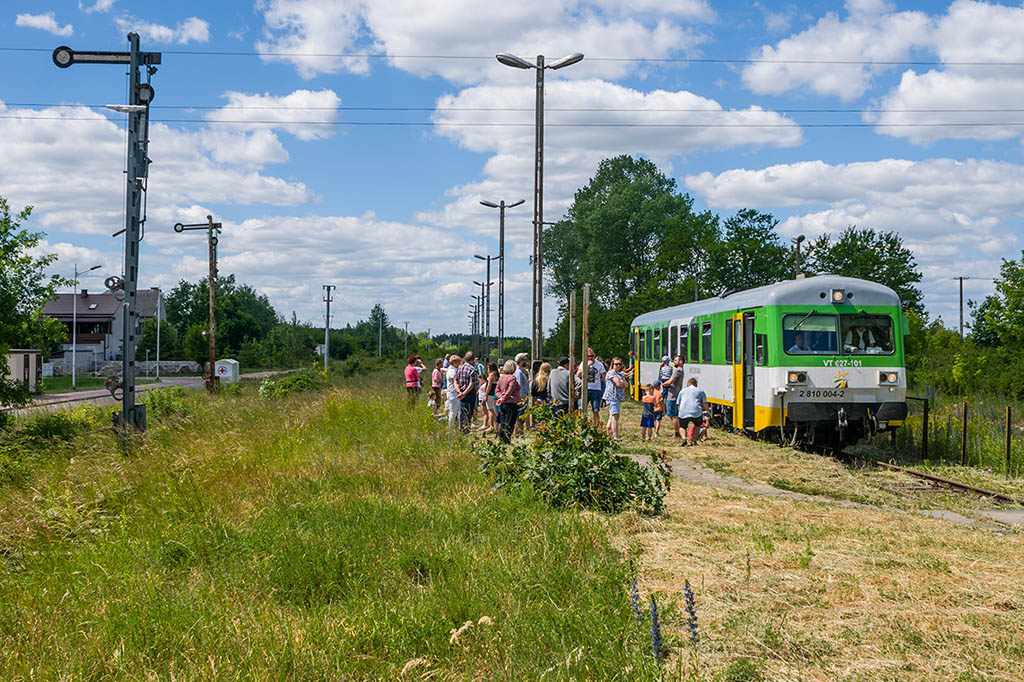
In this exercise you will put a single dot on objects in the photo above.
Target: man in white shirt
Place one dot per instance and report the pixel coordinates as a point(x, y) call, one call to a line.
point(595, 375)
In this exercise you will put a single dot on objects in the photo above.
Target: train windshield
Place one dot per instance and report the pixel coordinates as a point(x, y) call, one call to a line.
point(810, 334)
point(866, 334)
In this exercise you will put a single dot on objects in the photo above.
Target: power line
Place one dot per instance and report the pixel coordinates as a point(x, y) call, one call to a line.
point(498, 124)
point(528, 109)
point(662, 60)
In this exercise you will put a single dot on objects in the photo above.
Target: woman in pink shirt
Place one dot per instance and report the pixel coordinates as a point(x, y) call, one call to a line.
point(412, 377)
point(436, 381)
point(507, 398)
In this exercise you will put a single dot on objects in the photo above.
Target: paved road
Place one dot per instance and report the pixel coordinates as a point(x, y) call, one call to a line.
point(63, 401)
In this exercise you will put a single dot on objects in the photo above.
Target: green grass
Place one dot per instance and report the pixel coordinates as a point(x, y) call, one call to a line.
point(337, 536)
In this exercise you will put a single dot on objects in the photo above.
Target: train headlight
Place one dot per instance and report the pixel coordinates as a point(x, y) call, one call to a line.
point(888, 378)
point(839, 296)
point(796, 378)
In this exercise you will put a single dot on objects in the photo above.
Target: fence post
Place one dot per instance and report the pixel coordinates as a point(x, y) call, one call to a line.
point(1008, 437)
point(924, 432)
point(963, 435)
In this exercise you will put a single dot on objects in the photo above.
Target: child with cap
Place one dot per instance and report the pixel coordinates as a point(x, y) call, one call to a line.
point(659, 407)
point(647, 418)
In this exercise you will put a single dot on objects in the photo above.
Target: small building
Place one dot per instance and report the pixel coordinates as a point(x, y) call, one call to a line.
point(25, 365)
point(100, 322)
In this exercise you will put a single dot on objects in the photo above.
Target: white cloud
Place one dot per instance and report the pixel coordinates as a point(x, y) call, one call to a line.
point(871, 33)
point(316, 110)
point(776, 21)
point(192, 29)
point(45, 22)
point(98, 6)
point(957, 216)
point(314, 28)
point(308, 28)
point(970, 32)
point(40, 154)
point(572, 153)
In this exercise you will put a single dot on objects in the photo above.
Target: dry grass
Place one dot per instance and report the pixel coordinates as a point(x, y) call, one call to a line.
point(811, 592)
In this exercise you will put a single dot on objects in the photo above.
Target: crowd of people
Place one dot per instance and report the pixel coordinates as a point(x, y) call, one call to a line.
point(489, 398)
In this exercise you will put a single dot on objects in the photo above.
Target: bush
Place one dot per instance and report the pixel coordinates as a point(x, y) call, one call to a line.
point(311, 379)
point(570, 463)
point(166, 402)
point(63, 425)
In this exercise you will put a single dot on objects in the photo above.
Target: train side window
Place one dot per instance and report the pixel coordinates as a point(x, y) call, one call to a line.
point(738, 342)
point(673, 341)
point(760, 349)
point(664, 341)
point(655, 343)
point(683, 341)
point(643, 344)
point(728, 342)
point(705, 342)
point(694, 343)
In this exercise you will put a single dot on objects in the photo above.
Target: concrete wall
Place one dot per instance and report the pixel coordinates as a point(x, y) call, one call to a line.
point(107, 368)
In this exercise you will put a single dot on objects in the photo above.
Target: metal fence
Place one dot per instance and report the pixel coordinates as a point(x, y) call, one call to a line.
point(983, 433)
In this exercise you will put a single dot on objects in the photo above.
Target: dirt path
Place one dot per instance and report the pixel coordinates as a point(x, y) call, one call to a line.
point(694, 472)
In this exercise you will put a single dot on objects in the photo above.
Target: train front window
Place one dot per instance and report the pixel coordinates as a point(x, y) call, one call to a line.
point(866, 334)
point(809, 334)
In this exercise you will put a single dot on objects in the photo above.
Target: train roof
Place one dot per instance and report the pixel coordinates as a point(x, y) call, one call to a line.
point(806, 291)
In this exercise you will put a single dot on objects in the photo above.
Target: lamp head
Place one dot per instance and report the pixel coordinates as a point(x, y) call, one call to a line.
point(514, 61)
point(798, 239)
point(567, 60)
point(521, 201)
point(489, 204)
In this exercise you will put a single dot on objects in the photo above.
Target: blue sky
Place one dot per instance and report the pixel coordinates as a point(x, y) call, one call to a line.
point(273, 147)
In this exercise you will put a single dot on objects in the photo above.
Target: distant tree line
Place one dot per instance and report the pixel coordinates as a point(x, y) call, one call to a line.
point(252, 332)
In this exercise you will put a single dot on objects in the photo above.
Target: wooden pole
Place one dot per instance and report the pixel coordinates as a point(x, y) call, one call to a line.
point(1008, 441)
point(213, 383)
point(963, 435)
point(924, 432)
point(585, 347)
point(572, 352)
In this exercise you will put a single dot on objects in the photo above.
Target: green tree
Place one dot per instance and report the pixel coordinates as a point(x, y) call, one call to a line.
point(872, 255)
point(749, 254)
point(240, 312)
point(628, 228)
point(169, 348)
point(1004, 313)
point(24, 289)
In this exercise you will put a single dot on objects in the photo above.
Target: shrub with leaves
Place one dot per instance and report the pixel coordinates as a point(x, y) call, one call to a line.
point(311, 379)
point(166, 402)
point(570, 463)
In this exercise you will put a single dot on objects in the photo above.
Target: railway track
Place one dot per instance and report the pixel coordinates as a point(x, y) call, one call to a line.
point(956, 485)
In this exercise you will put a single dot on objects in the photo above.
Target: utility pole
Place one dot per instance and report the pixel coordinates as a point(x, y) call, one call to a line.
point(961, 279)
point(572, 351)
point(485, 317)
point(328, 288)
point(585, 347)
point(380, 333)
point(212, 230)
point(139, 97)
point(501, 268)
point(406, 338)
point(159, 311)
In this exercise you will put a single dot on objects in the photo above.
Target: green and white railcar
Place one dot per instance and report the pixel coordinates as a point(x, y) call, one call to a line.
point(820, 358)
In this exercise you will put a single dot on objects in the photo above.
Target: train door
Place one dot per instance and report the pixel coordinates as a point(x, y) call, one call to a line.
point(736, 361)
point(748, 370)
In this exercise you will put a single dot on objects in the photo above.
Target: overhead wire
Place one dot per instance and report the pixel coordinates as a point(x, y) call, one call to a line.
point(500, 124)
point(664, 60)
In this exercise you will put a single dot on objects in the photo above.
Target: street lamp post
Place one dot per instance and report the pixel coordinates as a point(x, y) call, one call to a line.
point(537, 343)
point(797, 241)
point(487, 314)
point(501, 268)
point(74, 324)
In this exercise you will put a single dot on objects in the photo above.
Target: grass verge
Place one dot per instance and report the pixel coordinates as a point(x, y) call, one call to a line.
point(332, 535)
